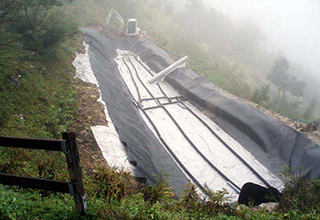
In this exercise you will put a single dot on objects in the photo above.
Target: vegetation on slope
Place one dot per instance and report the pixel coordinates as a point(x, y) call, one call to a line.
point(111, 195)
point(37, 100)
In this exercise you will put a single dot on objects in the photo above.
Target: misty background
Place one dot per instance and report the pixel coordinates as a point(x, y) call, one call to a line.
point(278, 28)
point(292, 27)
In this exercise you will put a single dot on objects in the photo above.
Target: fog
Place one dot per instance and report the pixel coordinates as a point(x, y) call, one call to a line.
point(291, 26)
point(246, 39)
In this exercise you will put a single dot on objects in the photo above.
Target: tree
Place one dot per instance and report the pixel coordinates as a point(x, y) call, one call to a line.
point(7, 11)
point(283, 80)
point(13, 10)
point(261, 95)
point(279, 75)
point(35, 23)
point(309, 111)
point(296, 87)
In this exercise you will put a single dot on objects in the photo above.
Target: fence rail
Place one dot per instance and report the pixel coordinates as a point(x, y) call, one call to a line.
point(68, 146)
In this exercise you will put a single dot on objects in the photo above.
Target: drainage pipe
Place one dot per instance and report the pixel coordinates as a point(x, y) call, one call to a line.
point(162, 74)
point(160, 88)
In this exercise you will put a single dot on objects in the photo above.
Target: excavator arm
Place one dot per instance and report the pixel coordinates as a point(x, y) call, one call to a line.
point(112, 14)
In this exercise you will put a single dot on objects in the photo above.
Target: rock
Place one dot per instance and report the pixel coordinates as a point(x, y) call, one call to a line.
point(270, 206)
point(313, 126)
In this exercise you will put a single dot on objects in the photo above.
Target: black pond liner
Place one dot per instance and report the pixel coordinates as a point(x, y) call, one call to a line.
point(272, 143)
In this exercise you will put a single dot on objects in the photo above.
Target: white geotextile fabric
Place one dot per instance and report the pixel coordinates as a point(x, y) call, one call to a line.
point(106, 136)
point(207, 143)
point(83, 66)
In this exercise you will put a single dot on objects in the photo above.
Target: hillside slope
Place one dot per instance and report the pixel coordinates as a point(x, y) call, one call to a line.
point(39, 98)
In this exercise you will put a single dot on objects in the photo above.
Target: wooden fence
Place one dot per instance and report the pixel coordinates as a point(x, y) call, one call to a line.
point(69, 147)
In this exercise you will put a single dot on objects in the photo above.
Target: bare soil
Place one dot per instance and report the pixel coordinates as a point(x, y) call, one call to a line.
point(90, 113)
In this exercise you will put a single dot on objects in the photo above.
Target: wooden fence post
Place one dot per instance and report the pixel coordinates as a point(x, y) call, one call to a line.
point(75, 173)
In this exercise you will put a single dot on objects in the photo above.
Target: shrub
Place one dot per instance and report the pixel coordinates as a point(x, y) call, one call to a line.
point(302, 196)
point(111, 183)
point(38, 24)
point(261, 95)
point(160, 191)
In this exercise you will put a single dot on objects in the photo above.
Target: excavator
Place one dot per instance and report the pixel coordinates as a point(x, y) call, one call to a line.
point(130, 29)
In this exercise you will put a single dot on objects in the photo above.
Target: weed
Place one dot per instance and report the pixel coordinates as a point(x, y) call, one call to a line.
point(111, 183)
point(160, 191)
point(301, 195)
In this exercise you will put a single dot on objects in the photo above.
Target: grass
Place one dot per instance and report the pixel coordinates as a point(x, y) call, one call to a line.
point(27, 204)
point(36, 98)
point(111, 196)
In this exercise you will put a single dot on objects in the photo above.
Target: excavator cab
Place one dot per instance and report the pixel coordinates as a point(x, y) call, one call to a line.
point(132, 28)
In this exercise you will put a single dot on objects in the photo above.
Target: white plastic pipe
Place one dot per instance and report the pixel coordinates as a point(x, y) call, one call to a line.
point(162, 74)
